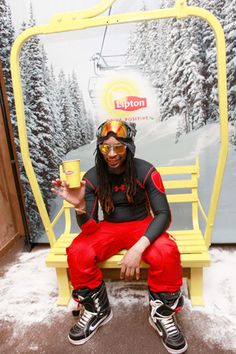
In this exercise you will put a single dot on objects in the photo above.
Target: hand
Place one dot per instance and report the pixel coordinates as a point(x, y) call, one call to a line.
point(130, 263)
point(74, 196)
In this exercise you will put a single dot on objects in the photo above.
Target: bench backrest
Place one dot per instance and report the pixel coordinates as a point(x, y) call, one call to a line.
point(181, 185)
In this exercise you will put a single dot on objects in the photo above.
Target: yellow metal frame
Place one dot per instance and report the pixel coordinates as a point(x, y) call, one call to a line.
point(72, 21)
point(181, 184)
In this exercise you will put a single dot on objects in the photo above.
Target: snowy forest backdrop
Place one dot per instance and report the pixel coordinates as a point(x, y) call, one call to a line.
point(57, 120)
point(177, 56)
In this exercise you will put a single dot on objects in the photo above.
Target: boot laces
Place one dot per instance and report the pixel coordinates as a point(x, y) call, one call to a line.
point(84, 318)
point(87, 315)
point(167, 321)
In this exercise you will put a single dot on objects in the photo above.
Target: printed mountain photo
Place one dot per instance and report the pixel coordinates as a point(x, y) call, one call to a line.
point(160, 74)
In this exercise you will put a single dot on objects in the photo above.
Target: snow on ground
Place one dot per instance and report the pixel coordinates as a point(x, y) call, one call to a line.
point(28, 293)
point(220, 300)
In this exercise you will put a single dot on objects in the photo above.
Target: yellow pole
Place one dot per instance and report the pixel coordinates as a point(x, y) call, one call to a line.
point(19, 104)
point(87, 19)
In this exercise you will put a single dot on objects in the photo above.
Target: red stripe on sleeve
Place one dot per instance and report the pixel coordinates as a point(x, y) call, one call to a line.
point(156, 179)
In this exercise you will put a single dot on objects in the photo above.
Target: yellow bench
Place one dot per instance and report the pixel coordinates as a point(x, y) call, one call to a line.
point(181, 184)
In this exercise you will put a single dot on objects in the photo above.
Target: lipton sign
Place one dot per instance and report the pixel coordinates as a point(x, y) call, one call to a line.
point(125, 94)
point(130, 103)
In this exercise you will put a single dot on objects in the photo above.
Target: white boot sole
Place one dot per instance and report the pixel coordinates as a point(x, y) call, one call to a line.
point(170, 350)
point(82, 341)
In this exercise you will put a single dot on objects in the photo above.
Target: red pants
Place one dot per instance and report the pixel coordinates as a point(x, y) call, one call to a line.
point(165, 272)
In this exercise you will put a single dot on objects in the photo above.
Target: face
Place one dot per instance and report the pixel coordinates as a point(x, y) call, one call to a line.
point(114, 159)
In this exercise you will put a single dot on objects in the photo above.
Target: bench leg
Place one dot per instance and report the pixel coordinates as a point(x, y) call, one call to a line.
point(195, 285)
point(64, 291)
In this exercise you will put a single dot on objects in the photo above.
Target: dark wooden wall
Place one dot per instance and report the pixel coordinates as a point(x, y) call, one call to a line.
point(11, 223)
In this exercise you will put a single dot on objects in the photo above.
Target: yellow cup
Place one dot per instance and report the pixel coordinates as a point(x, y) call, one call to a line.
point(71, 169)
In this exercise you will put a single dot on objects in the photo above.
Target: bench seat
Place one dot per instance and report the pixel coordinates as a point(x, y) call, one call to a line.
point(193, 251)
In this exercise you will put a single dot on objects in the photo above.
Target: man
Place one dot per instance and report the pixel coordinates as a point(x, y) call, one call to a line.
point(136, 217)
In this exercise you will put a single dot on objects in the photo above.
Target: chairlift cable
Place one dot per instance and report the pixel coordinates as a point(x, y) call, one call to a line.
point(104, 35)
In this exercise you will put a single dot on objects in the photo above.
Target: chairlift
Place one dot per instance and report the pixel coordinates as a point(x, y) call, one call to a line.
point(89, 18)
point(102, 64)
point(115, 62)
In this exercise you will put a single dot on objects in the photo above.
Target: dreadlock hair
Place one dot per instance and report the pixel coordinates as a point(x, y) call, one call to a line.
point(104, 183)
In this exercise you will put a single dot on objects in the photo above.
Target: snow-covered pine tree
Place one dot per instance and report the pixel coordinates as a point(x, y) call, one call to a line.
point(218, 11)
point(83, 129)
point(58, 135)
point(83, 120)
point(66, 110)
point(230, 34)
point(172, 101)
point(196, 96)
point(155, 37)
point(187, 77)
point(210, 67)
point(79, 132)
point(146, 49)
point(90, 127)
point(138, 53)
point(184, 79)
point(130, 53)
point(162, 43)
point(7, 34)
point(38, 113)
point(51, 97)
point(6, 41)
point(32, 211)
point(39, 123)
point(158, 44)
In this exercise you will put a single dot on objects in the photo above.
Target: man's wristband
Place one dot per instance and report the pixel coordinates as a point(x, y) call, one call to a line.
point(77, 205)
point(80, 211)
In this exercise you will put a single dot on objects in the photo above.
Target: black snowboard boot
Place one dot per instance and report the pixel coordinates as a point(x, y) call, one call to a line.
point(95, 312)
point(162, 318)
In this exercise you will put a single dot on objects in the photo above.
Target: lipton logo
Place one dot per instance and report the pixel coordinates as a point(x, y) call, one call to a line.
point(68, 172)
point(130, 103)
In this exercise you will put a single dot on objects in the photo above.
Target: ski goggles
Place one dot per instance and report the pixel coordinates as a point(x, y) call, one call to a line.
point(119, 128)
point(118, 149)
